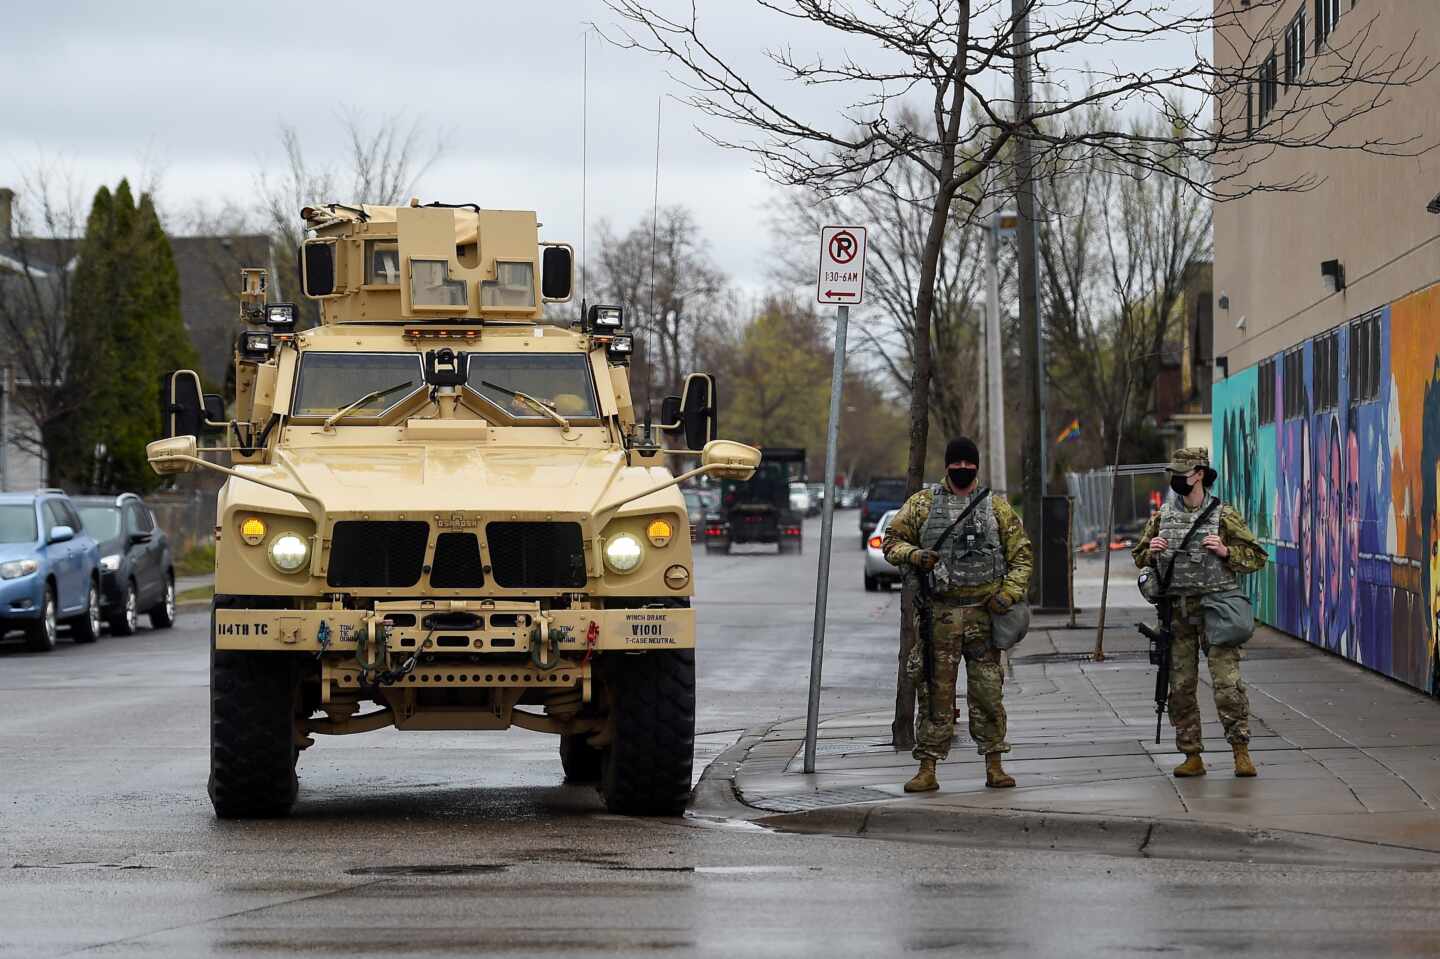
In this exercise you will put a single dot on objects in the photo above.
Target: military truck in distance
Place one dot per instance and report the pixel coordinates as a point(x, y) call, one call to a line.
point(758, 510)
point(441, 513)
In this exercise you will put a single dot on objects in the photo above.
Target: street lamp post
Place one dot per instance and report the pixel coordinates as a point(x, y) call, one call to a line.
point(997, 225)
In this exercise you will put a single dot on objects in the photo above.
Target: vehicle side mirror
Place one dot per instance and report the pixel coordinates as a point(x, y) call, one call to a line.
point(214, 407)
point(173, 455)
point(182, 410)
point(317, 268)
point(61, 534)
point(699, 410)
point(557, 268)
point(730, 460)
point(137, 538)
point(670, 414)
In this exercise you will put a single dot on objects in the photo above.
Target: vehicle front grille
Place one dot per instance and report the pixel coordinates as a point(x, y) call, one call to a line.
point(536, 555)
point(374, 553)
point(457, 562)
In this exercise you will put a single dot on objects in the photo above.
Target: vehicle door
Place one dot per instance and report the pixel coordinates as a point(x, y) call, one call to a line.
point(63, 559)
point(143, 550)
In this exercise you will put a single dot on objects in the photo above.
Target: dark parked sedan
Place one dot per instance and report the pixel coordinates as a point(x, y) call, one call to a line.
point(136, 569)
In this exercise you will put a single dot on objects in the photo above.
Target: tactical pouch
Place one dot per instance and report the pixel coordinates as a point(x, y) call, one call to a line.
point(1009, 627)
point(1229, 618)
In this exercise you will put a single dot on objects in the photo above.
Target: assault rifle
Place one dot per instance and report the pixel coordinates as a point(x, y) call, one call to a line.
point(925, 602)
point(1160, 642)
point(1162, 639)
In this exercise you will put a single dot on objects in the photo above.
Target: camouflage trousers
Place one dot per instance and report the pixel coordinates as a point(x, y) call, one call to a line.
point(961, 632)
point(1188, 623)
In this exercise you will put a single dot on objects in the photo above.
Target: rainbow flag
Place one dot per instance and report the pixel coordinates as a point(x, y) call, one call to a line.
point(1069, 433)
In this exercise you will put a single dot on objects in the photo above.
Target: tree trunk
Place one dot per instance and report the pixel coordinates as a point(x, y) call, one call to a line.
point(902, 728)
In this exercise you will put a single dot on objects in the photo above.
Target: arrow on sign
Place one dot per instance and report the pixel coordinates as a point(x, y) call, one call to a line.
point(837, 293)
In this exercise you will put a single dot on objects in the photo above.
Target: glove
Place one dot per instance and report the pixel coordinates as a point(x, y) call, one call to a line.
point(1000, 604)
point(924, 559)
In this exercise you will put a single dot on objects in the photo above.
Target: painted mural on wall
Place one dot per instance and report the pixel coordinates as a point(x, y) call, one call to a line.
point(1344, 491)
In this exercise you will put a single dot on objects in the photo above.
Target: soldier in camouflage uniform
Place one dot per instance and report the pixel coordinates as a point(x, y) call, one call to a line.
point(983, 566)
point(1222, 549)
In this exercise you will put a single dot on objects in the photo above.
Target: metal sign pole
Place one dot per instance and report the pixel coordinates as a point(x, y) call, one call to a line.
point(827, 517)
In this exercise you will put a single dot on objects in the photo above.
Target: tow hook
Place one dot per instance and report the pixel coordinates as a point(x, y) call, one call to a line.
point(545, 642)
point(370, 645)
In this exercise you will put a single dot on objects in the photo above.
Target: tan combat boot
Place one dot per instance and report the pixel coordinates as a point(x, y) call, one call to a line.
point(924, 781)
point(1192, 766)
point(995, 775)
point(1244, 765)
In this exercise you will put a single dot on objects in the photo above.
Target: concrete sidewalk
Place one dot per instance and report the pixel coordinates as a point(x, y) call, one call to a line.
point(1342, 753)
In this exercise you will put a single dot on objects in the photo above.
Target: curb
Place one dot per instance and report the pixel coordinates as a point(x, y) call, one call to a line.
point(718, 796)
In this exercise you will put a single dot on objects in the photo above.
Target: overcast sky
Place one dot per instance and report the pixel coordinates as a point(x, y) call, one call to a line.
point(194, 94)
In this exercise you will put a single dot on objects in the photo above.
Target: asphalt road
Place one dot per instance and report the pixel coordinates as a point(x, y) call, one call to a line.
point(465, 844)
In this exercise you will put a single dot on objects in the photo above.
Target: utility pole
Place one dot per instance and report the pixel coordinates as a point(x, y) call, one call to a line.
point(1032, 351)
point(994, 399)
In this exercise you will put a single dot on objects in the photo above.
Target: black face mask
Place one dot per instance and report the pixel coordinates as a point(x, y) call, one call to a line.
point(962, 477)
point(1181, 485)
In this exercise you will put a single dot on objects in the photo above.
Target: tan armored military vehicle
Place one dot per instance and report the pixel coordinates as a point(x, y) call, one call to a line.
point(442, 514)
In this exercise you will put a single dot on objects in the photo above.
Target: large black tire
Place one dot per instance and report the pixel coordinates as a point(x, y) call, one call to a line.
point(254, 700)
point(163, 615)
point(85, 628)
point(648, 765)
point(40, 635)
point(582, 762)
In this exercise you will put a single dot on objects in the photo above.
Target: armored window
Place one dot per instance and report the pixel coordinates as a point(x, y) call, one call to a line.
point(562, 381)
point(329, 382)
point(431, 286)
point(513, 286)
point(382, 263)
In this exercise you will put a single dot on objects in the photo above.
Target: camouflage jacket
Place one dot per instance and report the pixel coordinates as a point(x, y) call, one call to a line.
point(902, 540)
point(1246, 553)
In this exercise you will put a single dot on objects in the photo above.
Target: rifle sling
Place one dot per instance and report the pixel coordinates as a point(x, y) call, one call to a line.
point(979, 498)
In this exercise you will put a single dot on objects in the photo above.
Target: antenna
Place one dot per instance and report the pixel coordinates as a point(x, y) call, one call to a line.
point(650, 328)
point(584, 156)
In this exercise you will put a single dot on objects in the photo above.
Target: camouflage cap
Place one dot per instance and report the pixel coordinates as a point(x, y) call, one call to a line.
point(1189, 458)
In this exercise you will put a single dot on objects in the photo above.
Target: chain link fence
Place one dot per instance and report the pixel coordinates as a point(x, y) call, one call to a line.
point(186, 516)
point(1137, 489)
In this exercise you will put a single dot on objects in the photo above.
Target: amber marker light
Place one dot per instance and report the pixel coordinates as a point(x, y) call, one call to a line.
point(659, 532)
point(252, 531)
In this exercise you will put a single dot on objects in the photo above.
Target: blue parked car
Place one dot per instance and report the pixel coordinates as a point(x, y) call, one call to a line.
point(49, 569)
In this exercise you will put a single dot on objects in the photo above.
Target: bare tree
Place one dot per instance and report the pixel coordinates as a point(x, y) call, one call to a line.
point(949, 55)
point(383, 164)
point(671, 297)
point(1117, 245)
point(37, 282)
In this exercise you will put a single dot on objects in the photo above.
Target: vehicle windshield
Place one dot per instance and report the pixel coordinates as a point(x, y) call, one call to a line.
point(561, 381)
point(101, 522)
point(887, 491)
point(329, 382)
point(17, 523)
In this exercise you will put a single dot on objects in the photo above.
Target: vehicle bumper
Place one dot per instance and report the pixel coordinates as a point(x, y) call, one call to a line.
point(499, 627)
point(23, 598)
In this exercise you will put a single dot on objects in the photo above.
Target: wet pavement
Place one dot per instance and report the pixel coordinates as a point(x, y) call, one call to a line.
point(465, 844)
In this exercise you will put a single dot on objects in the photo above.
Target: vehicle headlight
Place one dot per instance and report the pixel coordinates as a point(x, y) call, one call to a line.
point(623, 553)
point(288, 552)
point(110, 563)
point(17, 568)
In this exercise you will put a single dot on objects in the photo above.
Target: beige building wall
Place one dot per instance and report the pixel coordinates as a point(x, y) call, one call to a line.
point(1367, 211)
